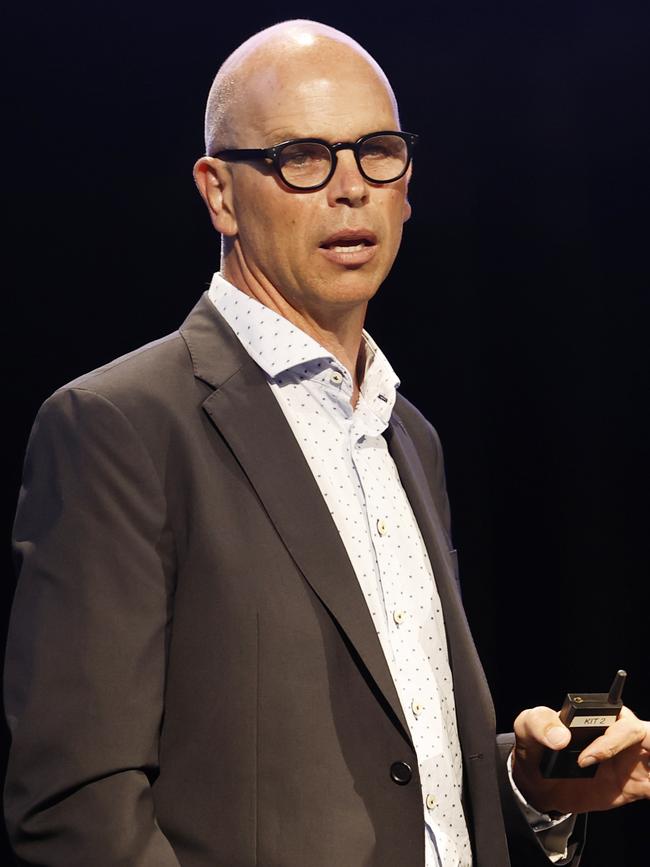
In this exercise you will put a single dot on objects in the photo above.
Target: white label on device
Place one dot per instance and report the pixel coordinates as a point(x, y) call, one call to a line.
point(582, 721)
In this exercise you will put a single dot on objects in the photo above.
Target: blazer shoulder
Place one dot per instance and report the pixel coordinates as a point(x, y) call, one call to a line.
point(175, 371)
point(153, 388)
point(154, 366)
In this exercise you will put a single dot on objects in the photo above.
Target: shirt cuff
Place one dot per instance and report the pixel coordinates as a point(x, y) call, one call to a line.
point(552, 833)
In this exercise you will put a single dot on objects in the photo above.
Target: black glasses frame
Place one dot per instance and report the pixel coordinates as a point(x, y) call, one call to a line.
point(272, 155)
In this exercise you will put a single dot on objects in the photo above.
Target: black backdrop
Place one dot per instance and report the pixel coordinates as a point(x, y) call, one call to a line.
point(516, 314)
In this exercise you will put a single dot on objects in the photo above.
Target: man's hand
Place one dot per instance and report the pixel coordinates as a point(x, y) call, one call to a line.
point(623, 752)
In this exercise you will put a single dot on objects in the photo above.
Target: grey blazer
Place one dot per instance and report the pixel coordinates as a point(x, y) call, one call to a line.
point(193, 677)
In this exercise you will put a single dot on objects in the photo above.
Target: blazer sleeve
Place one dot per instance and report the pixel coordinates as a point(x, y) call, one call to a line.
point(524, 847)
point(85, 664)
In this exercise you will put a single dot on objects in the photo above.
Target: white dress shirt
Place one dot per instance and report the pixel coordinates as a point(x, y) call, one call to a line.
point(357, 477)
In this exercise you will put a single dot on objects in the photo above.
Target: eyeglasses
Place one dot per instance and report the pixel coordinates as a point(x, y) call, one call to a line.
point(309, 163)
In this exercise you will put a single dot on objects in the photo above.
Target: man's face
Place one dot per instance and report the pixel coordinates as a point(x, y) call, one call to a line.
point(287, 239)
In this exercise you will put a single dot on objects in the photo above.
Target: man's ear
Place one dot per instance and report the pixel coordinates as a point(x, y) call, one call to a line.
point(214, 181)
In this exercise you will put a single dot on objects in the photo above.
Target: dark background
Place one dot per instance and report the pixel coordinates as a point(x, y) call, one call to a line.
point(516, 314)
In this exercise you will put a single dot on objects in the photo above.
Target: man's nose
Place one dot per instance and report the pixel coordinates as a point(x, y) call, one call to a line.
point(347, 185)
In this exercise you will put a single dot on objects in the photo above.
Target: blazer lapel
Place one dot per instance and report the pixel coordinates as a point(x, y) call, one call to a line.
point(244, 410)
point(472, 694)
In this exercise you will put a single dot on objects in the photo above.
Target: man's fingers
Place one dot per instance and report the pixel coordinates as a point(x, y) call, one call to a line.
point(541, 725)
point(627, 731)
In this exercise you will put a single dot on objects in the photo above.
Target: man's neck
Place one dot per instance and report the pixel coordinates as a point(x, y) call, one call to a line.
point(338, 331)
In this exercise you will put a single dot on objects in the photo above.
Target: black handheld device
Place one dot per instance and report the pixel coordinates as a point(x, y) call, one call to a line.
point(587, 715)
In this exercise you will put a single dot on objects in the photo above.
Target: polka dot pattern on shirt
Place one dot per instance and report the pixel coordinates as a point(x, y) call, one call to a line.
point(357, 477)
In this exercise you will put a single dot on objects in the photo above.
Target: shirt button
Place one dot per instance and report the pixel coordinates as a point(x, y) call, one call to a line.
point(417, 707)
point(431, 802)
point(382, 527)
point(336, 377)
point(398, 616)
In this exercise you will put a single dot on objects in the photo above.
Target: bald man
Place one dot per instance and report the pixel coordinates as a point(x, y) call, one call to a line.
point(237, 637)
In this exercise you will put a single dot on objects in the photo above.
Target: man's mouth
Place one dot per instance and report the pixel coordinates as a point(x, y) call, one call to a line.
point(346, 248)
point(350, 248)
point(350, 241)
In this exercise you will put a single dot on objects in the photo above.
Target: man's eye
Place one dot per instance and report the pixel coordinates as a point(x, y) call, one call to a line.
point(382, 150)
point(377, 152)
point(304, 156)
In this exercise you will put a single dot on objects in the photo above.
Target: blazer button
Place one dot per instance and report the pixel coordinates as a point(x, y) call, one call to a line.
point(400, 773)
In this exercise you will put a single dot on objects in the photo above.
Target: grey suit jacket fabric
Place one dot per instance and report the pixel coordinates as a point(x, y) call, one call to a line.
point(193, 677)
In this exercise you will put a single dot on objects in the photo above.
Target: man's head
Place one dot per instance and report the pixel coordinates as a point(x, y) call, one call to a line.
point(301, 79)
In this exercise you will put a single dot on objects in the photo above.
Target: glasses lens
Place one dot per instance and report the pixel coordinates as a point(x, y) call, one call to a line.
point(304, 164)
point(383, 157)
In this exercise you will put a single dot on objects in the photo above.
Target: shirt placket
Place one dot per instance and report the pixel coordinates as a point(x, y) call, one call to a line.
point(413, 635)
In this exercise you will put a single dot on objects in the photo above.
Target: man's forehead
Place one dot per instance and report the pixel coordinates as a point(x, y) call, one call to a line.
point(309, 98)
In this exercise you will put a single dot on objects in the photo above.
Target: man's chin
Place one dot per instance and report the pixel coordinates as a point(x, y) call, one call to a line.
point(348, 289)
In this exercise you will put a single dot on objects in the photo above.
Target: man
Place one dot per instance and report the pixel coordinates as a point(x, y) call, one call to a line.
point(237, 619)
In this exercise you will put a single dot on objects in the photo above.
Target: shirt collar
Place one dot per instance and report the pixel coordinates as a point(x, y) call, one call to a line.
point(277, 345)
